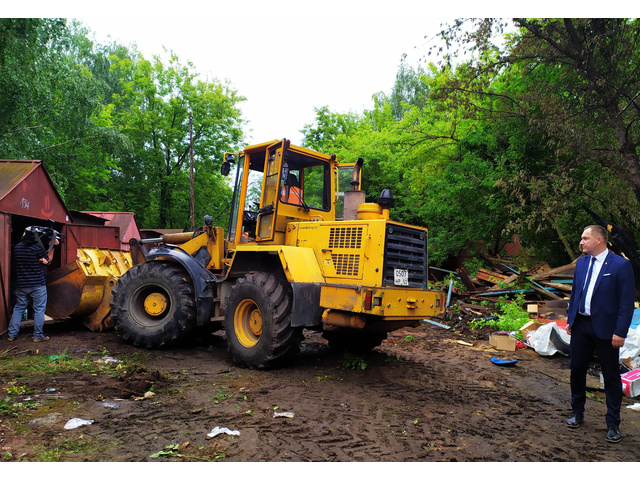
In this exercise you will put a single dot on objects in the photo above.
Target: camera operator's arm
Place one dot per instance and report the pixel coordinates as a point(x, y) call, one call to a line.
point(50, 254)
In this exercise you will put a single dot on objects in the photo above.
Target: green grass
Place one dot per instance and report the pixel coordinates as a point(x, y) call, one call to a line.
point(29, 366)
point(73, 449)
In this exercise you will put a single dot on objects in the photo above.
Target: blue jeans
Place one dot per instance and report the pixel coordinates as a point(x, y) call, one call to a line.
point(37, 296)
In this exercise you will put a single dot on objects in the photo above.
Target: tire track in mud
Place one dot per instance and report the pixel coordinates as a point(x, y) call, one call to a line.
point(424, 399)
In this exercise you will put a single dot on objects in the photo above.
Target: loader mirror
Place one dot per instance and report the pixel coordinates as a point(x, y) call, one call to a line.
point(225, 168)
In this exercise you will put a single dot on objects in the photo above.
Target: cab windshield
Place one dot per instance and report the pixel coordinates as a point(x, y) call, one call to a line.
point(305, 182)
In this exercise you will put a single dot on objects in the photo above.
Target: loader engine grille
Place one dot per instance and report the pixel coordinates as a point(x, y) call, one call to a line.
point(405, 249)
point(345, 237)
point(346, 264)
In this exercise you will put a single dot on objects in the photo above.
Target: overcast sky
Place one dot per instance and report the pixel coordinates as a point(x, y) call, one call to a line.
point(286, 57)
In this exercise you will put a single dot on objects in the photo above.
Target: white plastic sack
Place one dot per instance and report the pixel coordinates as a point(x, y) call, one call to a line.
point(219, 430)
point(631, 347)
point(540, 339)
point(77, 422)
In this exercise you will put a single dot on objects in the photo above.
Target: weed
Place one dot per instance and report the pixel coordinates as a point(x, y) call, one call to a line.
point(594, 396)
point(70, 449)
point(353, 362)
point(16, 390)
point(45, 365)
point(430, 447)
point(408, 338)
point(328, 378)
point(168, 451)
point(511, 317)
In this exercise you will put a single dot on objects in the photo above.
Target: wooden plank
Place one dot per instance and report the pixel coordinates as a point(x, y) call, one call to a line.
point(560, 286)
point(506, 282)
point(489, 276)
point(545, 292)
point(464, 276)
point(554, 271)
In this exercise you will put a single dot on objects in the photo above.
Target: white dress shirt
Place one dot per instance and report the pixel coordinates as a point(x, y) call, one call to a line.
point(597, 265)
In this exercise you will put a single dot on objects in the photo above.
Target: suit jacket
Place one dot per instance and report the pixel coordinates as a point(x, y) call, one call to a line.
point(612, 302)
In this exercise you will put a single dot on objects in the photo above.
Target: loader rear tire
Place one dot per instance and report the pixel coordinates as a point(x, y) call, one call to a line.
point(153, 304)
point(258, 321)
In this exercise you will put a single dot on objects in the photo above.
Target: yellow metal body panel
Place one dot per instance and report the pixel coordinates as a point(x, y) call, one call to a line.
point(349, 252)
point(389, 303)
point(299, 264)
point(213, 240)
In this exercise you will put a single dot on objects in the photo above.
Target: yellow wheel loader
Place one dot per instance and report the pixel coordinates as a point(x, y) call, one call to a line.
point(299, 253)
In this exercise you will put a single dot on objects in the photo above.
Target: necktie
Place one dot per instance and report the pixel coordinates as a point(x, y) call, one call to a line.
point(583, 294)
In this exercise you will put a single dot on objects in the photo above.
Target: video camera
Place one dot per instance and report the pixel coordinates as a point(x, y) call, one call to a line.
point(41, 235)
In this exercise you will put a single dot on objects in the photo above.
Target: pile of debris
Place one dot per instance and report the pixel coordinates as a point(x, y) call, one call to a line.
point(545, 289)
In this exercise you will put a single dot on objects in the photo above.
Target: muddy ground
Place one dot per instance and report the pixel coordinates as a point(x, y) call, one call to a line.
point(422, 396)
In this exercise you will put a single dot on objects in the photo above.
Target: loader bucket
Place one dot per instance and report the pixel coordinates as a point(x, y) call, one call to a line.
point(82, 289)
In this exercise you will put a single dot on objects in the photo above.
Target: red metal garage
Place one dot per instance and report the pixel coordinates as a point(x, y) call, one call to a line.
point(27, 197)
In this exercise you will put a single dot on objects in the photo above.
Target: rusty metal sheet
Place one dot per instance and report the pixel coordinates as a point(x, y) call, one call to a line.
point(27, 190)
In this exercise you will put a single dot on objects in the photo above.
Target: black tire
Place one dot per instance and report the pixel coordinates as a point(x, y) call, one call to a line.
point(354, 342)
point(153, 304)
point(258, 321)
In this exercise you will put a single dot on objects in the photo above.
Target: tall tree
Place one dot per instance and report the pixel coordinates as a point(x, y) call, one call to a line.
point(582, 86)
point(52, 107)
point(153, 111)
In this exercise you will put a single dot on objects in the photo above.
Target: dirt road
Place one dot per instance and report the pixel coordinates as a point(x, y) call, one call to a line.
point(420, 396)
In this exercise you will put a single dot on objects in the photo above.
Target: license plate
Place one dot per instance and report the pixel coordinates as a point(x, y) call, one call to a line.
point(401, 277)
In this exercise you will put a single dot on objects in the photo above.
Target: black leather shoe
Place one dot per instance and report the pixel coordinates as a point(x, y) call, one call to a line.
point(613, 434)
point(575, 420)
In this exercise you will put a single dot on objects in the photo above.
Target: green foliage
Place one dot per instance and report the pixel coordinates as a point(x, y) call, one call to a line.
point(511, 316)
point(353, 362)
point(167, 451)
point(111, 127)
point(153, 111)
point(538, 123)
point(38, 365)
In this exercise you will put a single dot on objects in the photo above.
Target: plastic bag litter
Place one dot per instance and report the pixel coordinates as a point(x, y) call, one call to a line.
point(219, 430)
point(146, 396)
point(77, 422)
point(110, 405)
point(635, 406)
point(107, 360)
point(540, 339)
point(283, 414)
point(631, 347)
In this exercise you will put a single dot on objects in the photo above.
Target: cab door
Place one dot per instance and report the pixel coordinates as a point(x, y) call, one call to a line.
point(269, 204)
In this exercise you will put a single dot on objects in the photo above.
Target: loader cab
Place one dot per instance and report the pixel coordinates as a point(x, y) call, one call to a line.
point(277, 183)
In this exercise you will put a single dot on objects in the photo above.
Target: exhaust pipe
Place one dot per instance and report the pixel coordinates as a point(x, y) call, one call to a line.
point(355, 197)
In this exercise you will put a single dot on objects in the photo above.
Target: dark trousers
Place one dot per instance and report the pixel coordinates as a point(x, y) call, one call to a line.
point(584, 343)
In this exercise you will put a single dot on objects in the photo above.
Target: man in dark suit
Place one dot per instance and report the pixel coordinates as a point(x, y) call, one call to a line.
point(599, 315)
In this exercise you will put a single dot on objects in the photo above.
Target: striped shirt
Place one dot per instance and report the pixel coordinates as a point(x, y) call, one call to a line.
point(27, 266)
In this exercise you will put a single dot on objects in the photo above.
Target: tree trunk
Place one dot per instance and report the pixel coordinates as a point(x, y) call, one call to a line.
point(626, 148)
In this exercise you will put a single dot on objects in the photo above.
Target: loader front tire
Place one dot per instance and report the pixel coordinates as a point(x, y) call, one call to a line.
point(153, 304)
point(258, 321)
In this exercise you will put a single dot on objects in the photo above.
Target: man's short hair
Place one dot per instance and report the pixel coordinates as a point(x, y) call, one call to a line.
point(599, 231)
